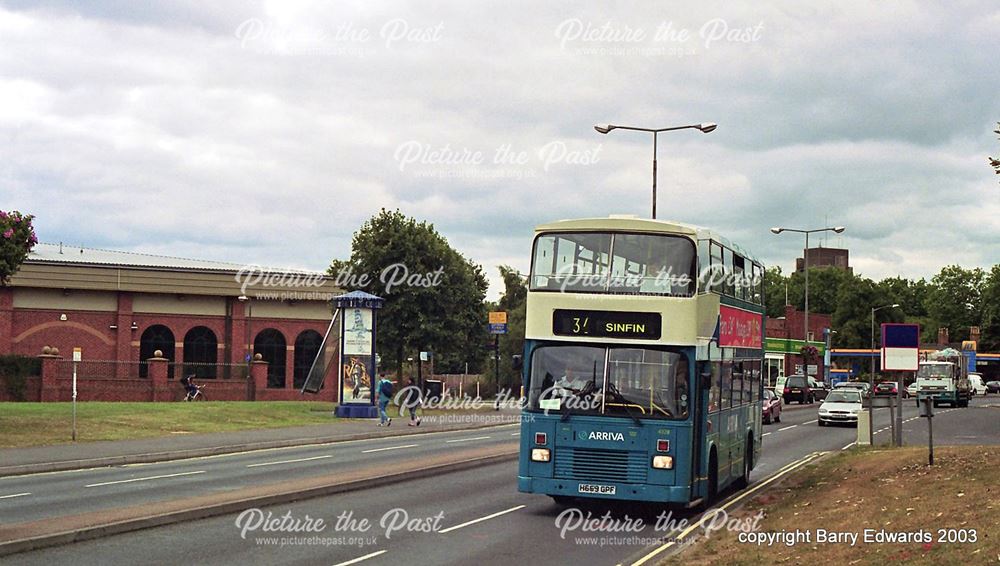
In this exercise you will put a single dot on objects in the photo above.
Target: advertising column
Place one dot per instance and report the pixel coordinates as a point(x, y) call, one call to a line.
point(357, 354)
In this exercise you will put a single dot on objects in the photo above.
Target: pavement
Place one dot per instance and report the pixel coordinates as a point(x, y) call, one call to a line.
point(18, 461)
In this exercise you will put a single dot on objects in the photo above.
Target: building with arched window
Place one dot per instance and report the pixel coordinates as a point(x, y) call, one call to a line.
point(205, 318)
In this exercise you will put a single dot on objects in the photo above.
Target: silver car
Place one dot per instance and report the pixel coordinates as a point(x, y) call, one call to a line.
point(840, 406)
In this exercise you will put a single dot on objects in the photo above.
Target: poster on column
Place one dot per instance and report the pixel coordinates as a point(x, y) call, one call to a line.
point(358, 331)
point(357, 359)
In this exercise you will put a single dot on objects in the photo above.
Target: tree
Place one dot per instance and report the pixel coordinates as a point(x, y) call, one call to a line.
point(513, 301)
point(17, 238)
point(774, 291)
point(953, 301)
point(853, 316)
point(994, 162)
point(434, 296)
point(990, 328)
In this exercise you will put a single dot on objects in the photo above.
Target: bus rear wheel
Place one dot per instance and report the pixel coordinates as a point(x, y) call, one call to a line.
point(744, 480)
point(713, 478)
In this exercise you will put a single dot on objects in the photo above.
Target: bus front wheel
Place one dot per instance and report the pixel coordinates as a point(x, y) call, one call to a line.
point(561, 500)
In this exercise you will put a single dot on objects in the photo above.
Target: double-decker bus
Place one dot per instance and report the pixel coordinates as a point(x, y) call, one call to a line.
point(642, 362)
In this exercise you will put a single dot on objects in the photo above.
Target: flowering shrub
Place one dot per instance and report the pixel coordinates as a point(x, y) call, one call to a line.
point(809, 353)
point(17, 237)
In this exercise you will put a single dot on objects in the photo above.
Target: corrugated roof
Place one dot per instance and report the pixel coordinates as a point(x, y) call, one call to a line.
point(76, 255)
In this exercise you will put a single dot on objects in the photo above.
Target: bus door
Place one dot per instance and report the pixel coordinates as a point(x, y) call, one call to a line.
point(702, 384)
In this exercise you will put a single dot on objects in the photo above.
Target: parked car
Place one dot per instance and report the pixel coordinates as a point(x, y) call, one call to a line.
point(889, 388)
point(841, 406)
point(771, 412)
point(911, 389)
point(993, 386)
point(976, 383)
point(819, 389)
point(861, 386)
point(797, 389)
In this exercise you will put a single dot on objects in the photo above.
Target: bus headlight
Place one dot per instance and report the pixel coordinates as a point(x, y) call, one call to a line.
point(663, 462)
point(539, 454)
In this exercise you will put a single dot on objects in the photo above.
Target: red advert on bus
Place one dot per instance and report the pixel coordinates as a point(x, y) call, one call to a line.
point(739, 328)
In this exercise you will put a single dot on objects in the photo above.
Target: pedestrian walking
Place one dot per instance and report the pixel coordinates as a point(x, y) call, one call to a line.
point(412, 400)
point(384, 396)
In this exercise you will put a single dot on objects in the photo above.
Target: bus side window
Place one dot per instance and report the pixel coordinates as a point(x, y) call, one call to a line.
point(738, 376)
point(727, 264)
point(711, 369)
point(716, 274)
point(748, 381)
point(726, 384)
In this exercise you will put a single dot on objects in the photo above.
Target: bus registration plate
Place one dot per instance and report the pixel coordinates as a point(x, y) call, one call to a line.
point(597, 488)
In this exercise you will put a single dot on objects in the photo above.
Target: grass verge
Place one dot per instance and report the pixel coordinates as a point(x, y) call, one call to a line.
point(45, 424)
point(890, 491)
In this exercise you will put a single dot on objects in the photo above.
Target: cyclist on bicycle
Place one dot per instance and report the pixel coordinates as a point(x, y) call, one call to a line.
point(188, 382)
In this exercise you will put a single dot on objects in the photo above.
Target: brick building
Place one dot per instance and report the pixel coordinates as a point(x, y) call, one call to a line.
point(826, 257)
point(785, 337)
point(120, 308)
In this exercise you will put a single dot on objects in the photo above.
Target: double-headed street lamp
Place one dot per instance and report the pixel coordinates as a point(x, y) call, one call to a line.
point(704, 127)
point(871, 378)
point(805, 262)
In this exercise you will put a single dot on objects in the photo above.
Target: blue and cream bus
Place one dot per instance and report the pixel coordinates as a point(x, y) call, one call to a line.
point(642, 362)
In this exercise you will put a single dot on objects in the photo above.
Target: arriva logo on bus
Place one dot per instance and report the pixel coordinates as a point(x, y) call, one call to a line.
point(594, 435)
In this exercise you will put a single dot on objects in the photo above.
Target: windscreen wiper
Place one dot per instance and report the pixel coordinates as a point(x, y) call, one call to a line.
point(617, 395)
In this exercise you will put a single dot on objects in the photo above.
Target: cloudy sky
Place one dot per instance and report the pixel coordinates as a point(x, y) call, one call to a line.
point(268, 132)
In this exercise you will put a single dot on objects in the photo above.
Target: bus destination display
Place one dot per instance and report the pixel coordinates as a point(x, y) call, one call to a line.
point(606, 324)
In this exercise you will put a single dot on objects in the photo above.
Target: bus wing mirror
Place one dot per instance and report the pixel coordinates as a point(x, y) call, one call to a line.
point(517, 362)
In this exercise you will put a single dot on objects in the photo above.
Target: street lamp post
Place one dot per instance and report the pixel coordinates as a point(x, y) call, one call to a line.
point(705, 128)
point(871, 377)
point(805, 266)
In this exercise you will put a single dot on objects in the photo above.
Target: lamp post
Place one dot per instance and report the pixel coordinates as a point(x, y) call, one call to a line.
point(871, 377)
point(705, 128)
point(249, 305)
point(805, 266)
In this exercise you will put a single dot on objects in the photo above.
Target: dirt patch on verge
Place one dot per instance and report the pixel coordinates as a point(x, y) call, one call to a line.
point(900, 510)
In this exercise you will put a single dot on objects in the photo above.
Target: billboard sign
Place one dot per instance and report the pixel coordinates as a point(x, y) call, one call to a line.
point(900, 346)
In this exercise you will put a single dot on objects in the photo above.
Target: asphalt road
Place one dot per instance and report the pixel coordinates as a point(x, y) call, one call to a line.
point(477, 516)
point(46, 495)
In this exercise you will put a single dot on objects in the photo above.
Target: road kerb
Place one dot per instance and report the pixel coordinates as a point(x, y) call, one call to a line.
point(232, 502)
point(153, 457)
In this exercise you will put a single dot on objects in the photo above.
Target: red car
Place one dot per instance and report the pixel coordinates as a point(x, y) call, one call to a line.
point(772, 407)
point(888, 388)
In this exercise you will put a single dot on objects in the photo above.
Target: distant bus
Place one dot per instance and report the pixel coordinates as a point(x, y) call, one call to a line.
point(642, 362)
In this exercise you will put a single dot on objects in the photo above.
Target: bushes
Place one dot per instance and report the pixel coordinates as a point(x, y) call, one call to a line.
point(14, 371)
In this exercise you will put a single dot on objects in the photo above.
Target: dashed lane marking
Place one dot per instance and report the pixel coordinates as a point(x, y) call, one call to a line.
point(481, 519)
point(146, 479)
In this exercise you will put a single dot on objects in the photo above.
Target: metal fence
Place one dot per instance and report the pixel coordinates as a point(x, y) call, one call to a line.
point(114, 369)
point(209, 371)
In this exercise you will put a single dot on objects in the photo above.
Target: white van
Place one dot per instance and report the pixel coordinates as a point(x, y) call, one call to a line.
point(976, 384)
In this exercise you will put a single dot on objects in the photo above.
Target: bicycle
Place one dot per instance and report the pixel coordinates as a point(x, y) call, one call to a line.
point(196, 395)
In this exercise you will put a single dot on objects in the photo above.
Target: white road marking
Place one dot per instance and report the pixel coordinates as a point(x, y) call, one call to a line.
point(848, 446)
point(787, 427)
point(361, 558)
point(784, 470)
point(146, 479)
point(810, 422)
point(389, 448)
point(466, 439)
point(14, 495)
point(766, 433)
point(516, 434)
point(481, 519)
point(290, 461)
